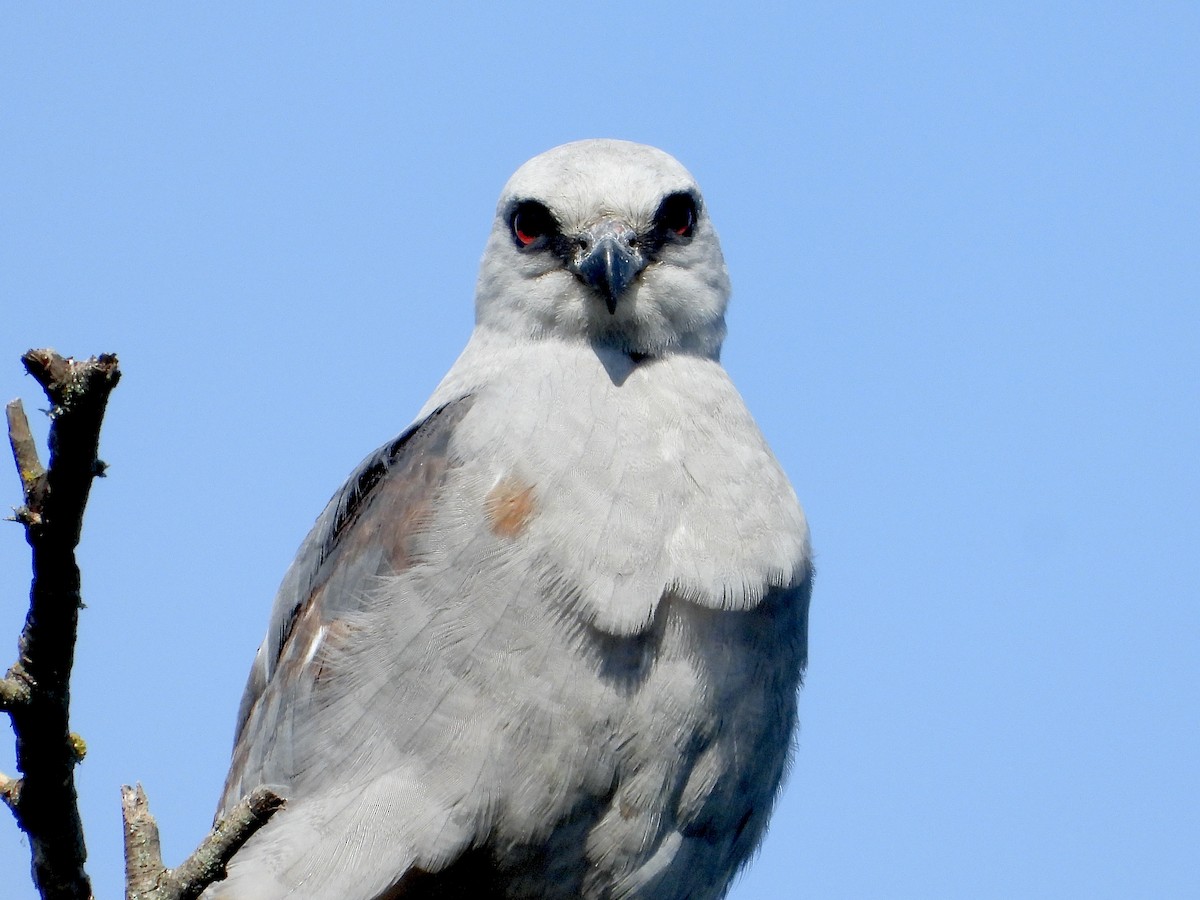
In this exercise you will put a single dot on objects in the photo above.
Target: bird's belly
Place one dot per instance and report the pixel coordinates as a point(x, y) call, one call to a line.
point(669, 749)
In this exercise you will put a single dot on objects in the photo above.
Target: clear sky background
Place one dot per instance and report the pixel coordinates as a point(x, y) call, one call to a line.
point(964, 242)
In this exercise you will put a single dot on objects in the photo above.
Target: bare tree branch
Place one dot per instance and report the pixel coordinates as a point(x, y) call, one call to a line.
point(36, 690)
point(25, 455)
point(143, 852)
point(145, 876)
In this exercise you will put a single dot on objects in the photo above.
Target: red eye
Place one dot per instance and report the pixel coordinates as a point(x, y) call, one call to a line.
point(677, 214)
point(531, 221)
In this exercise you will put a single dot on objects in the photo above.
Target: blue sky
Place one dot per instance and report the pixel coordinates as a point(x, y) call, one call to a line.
point(963, 240)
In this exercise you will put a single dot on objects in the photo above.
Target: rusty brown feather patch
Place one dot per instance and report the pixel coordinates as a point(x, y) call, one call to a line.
point(509, 507)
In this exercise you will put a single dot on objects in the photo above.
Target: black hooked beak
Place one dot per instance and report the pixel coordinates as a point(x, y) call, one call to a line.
point(607, 260)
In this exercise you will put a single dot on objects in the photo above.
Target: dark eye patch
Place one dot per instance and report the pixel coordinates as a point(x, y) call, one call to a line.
point(677, 215)
point(532, 223)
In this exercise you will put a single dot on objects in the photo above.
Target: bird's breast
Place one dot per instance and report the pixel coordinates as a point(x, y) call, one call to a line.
point(629, 484)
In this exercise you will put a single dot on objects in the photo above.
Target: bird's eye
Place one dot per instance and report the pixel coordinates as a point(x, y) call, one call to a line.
point(530, 222)
point(677, 214)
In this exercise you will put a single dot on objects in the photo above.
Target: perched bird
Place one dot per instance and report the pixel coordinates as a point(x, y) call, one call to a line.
point(547, 642)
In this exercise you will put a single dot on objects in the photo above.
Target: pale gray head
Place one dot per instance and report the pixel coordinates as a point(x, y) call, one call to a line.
point(609, 242)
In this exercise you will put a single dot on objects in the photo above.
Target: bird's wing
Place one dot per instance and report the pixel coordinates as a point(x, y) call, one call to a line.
point(362, 532)
point(308, 726)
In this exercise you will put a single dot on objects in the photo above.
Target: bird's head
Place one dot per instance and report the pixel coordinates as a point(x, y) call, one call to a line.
point(609, 242)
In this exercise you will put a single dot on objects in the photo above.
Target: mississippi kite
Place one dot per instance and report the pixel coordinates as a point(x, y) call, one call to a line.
point(547, 642)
